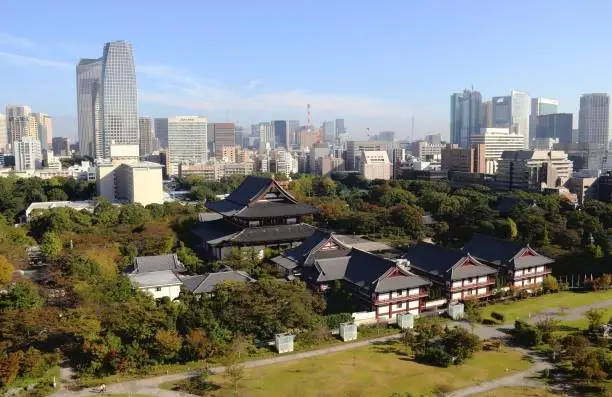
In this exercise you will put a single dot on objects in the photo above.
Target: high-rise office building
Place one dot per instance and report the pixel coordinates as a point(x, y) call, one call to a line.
point(161, 131)
point(293, 126)
point(465, 116)
point(20, 123)
point(540, 107)
point(61, 146)
point(354, 148)
point(329, 131)
point(266, 136)
point(521, 106)
point(239, 136)
point(119, 96)
point(594, 127)
point(555, 125)
point(340, 127)
point(145, 129)
point(89, 106)
point(225, 136)
point(187, 139)
point(486, 114)
point(44, 128)
point(28, 155)
point(3, 133)
point(502, 111)
point(496, 141)
point(281, 134)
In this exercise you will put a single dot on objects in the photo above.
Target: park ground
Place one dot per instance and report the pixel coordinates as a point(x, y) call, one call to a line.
point(516, 392)
point(375, 370)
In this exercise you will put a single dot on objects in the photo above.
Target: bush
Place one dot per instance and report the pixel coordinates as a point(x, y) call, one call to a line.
point(33, 363)
point(434, 355)
point(333, 321)
point(498, 316)
point(526, 334)
point(488, 321)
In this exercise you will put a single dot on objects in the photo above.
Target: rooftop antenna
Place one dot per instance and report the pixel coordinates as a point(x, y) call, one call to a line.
point(309, 124)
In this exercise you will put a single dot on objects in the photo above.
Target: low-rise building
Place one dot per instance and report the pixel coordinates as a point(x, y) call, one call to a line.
point(532, 169)
point(519, 266)
point(470, 159)
point(375, 165)
point(157, 275)
point(136, 182)
point(496, 141)
point(426, 151)
point(458, 274)
point(38, 207)
point(205, 284)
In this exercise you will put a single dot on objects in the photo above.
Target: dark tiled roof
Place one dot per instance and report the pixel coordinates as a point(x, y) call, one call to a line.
point(332, 268)
point(206, 283)
point(277, 233)
point(503, 252)
point(310, 248)
point(249, 189)
point(145, 264)
point(275, 209)
point(403, 281)
point(445, 263)
point(216, 231)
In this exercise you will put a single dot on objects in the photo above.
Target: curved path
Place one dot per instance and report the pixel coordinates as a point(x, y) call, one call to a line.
point(149, 386)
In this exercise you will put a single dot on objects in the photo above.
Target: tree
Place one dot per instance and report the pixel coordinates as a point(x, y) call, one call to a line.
point(589, 368)
point(595, 319)
point(324, 187)
point(550, 284)
point(57, 194)
point(133, 214)
point(167, 344)
point(460, 344)
point(9, 368)
point(21, 295)
point(51, 245)
point(200, 345)
point(408, 218)
point(188, 258)
point(6, 271)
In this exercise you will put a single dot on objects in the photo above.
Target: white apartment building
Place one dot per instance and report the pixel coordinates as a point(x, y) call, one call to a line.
point(497, 141)
point(28, 154)
point(137, 182)
point(187, 139)
point(43, 124)
point(425, 151)
point(375, 165)
point(533, 169)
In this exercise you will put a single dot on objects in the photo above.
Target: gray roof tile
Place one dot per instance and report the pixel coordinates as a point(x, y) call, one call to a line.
point(144, 264)
point(501, 252)
point(206, 283)
point(154, 279)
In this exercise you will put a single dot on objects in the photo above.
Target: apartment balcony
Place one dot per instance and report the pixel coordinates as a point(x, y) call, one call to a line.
point(473, 285)
point(523, 276)
point(402, 298)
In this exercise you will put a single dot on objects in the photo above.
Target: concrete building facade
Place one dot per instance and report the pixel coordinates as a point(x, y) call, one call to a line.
point(533, 170)
point(594, 127)
point(187, 139)
point(496, 141)
point(136, 182)
point(28, 154)
point(375, 164)
point(145, 129)
point(470, 160)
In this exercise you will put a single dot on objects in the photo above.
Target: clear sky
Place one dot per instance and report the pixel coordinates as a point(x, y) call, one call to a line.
point(375, 63)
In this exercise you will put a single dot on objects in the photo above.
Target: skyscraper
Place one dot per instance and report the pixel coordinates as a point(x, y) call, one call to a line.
point(329, 131)
point(3, 133)
point(486, 114)
point(340, 127)
point(145, 129)
point(502, 111)
point(465, 117)
point(44, 129)
point(19, 123)
point(594, 127)
point(161, 131)
point(89, 106)
point(266, 136)
point(556, 125)
point(281, 134)
point(27, 152)
point(540, 107)
point(187, 139)
point(520, 113)
point(119, 96)
point(293, 127)
point(225, 136)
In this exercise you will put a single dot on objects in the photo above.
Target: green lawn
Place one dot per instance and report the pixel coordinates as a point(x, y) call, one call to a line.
point(517, 392)
point(521, 309)
point(376, 370)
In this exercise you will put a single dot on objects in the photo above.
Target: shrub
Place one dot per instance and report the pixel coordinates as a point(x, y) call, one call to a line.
point(33, 363)
point(498, 316)
point(434, 355)
point(488, 321)
point(333, 321)
point(526, 335)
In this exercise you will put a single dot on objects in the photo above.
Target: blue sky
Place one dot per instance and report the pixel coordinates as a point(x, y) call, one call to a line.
point(374, 63)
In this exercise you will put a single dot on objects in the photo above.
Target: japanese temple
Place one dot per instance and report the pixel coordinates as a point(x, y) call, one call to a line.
point(259, 213)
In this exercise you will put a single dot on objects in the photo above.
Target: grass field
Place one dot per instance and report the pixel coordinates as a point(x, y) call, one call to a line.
point(377, 370)
point(516, 392)
point(521, 309)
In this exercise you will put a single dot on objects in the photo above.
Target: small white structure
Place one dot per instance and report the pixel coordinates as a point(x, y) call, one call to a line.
point(283, 343)
point(87, 205)
point(456, 311)
point(348, 331)
point(160, 284)
point(405, 320)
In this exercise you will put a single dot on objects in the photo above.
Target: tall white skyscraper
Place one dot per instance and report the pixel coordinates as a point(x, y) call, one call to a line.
point(3, 133)
point(145, 129)
point(44, 129)
point(28, 155)
point(89, 107)
point(540, 107)
point(521, 106)
point(119, 96)
point(187, 139)
point(266, 137)
point(594, 127)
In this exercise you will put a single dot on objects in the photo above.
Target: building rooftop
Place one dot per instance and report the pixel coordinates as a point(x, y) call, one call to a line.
point(215, 232)
point(444, 263)
point(504, 252)
point(206, 283)
point(145, 264)
point(162, 278)
point(75, 205)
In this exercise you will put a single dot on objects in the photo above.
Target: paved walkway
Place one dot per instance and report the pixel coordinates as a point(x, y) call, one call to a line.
point(149, 386)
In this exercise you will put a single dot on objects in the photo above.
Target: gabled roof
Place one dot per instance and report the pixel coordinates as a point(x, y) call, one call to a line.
point(367, 271)
point(504, 252)
point(244, 201)
point(447, 264)
point(161, 278)
point(145, 264)
point(320, 244)
point(206, 283)
point(220, 230)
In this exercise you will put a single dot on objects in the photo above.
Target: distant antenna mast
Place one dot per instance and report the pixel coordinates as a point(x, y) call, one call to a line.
point(412, 131)
point(309, 124)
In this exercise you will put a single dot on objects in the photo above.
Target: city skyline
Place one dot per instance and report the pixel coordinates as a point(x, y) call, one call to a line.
point(38, 62)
